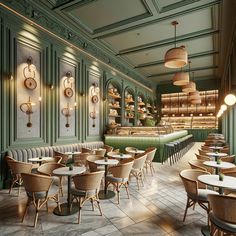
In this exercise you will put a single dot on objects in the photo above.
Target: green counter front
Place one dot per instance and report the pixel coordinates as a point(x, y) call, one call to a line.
point(142, 142)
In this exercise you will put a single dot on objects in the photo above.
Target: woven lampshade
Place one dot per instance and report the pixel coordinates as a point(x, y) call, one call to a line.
point(176, 57)
point(181, 78)
point(196, 101)
point(190, 87)
point(194, 95)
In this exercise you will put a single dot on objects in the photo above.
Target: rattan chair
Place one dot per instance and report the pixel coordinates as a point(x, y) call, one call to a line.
point(203, 152)
point(151, 151)
point(137, 168)
point(198, 164)
point(196, 191)
point(108, 148)
point(55, 159)
point(86, 188)
point(129, 150)
point(230, 159)
point(93, 167)
point(100, 152)
point(86, 150)
point(228, 170)
point(17, 168)
point(47, 169)
point(39, 191)
point(222, 215)
point(230, 192)
point(64, 156)
point(202, 157)
point(120, 176)
point(81, 159)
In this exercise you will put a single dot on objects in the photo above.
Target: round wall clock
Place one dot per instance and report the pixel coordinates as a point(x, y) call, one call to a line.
point(68, 92)
point(30, 83)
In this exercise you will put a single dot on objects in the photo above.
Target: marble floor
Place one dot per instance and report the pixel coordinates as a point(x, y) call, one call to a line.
point(156, 209)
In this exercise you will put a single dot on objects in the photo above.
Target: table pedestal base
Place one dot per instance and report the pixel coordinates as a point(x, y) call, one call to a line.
point(109, 194)
point(205, 230)
point(65, 210)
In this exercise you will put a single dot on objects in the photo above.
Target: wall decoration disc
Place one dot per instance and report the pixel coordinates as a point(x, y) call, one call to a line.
point(68, 92)
point(95, 99)
point(30, 83)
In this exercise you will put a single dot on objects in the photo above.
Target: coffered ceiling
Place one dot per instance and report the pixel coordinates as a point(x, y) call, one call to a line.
point(139, 32)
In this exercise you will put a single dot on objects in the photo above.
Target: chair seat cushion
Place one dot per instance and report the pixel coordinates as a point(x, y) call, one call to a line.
point(222, 224)
point(110, 178)
point(202, 194)
point(38, 195)
point(81, 193)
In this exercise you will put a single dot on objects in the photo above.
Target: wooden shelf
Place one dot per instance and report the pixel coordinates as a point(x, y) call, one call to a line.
point(112, 95)
point(114, 107)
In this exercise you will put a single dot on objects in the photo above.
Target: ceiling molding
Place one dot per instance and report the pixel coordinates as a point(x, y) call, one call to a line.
point(192, 56)
point(154, 20)
point(184, 70)
point(169, 41)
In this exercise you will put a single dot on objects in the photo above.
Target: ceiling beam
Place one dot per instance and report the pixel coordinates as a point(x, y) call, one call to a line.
point(170, 41)
point(155, 20)
point(186, 70)
point(192, 56)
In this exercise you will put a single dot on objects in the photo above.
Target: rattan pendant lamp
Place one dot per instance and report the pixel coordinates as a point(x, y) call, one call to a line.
point(176, 57)
point(195, 97)
point(191, 86)
point(181, 78)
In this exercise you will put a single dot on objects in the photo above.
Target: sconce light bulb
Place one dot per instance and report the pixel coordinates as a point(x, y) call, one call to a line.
point(40, 99)
point(230, 99)
point(51, 86)
point(75, 104)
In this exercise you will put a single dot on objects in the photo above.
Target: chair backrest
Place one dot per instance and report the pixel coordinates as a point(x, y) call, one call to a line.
point(91, 164)
point(225, 150)
point(108, 148)
point(150, 153)
point(139, 162)
point(223, 207)
point(48, 168)
point(81, 159)
point(57, 159)
point(100, 152)
point(190, 181)
point(86, 150)
point(228, 170)
point(202, 157)
point(121, 170)
point(198, 164)
point(64, 156)
point(18, 167)
point(230, 159)
point(88, 181)
point(36, 183)
point(231, 173)
point(203, 152)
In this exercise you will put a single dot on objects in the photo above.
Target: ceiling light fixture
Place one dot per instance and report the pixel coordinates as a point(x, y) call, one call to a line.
point(181, 78)
point(176, 57)
point(230, 99)
point(191, 86)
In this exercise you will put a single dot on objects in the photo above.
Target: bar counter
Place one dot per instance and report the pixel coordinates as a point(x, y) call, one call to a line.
point(142, 142)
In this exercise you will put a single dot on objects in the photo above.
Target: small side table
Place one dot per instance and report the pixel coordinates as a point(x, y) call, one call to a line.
point(40, 159)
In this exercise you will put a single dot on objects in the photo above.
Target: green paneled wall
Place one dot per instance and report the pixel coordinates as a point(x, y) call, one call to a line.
point(13, 30)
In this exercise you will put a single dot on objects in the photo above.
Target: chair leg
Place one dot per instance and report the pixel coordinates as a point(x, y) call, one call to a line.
point(80, 207)
point(92, 204)
point(137, 181)
point(118, 193)
point(37, 213)
point(127, 189)
point(99, 207)
point(26, 208)
point(186, 209)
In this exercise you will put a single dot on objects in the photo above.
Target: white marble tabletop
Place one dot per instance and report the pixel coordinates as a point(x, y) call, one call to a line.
point(71, 153)
point(217, 154)
point(121, 156)
point(216, 147)
point(108, 162)
point(222, 165)
point(136, 151)
point(40, 159)
point(213, 180)
point(64, 171)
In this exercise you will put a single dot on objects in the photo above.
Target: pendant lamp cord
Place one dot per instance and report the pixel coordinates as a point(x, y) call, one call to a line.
point(174, 23)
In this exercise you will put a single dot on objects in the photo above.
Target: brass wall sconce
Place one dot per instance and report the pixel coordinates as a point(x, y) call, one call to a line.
point(95, 99)
point(67, 111)
point(27, 109)
point(51, 86)
point(29, 73)
point(68, 85)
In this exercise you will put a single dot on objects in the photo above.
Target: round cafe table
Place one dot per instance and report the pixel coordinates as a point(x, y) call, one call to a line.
point(213, 180)
point(137, 151)
point(217, 154)
point(215, 148)
point(106, 194)
point(40, 159)
point(221, 165)
point(121, 156)
point(65, 207)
